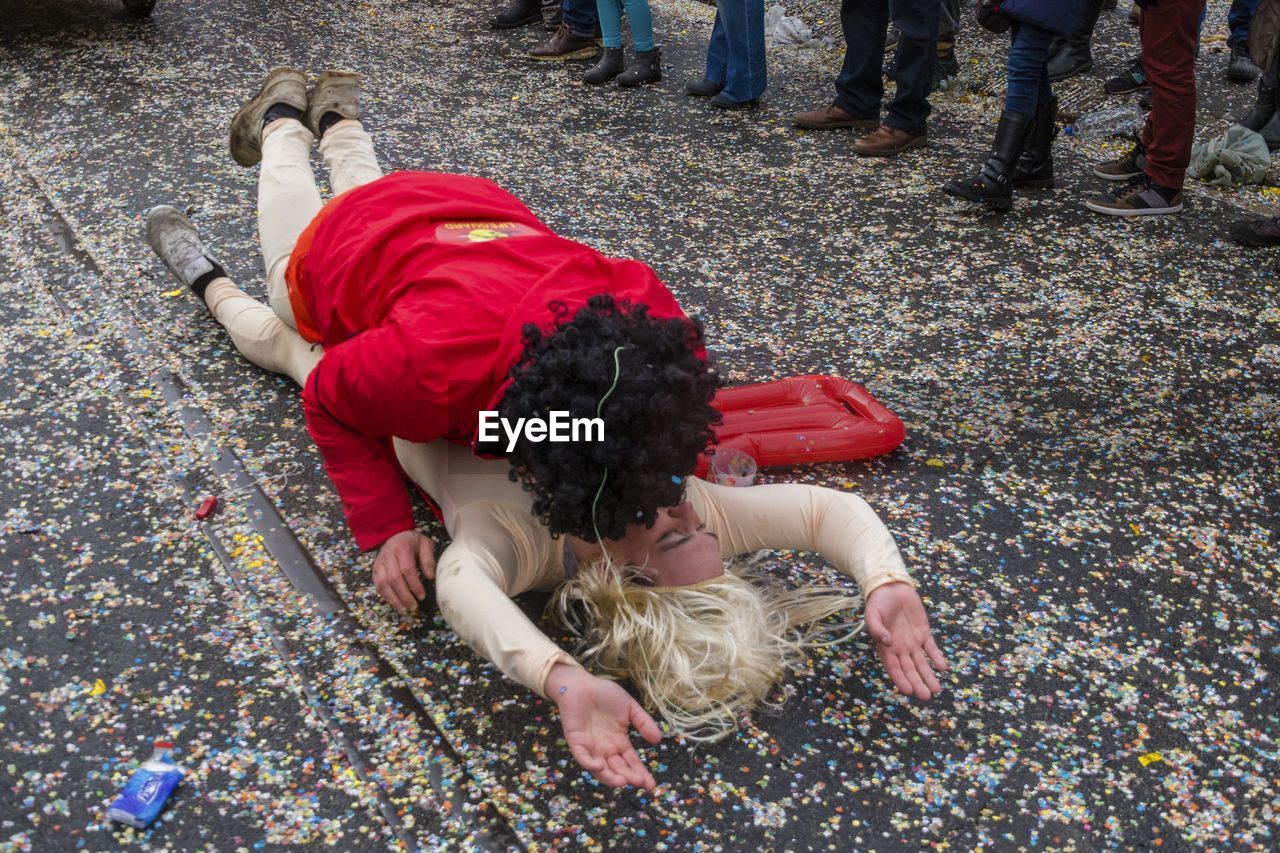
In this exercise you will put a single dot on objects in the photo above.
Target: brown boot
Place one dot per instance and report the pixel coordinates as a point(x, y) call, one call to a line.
point(565, 45)
point(888, 141)
point(832, 117)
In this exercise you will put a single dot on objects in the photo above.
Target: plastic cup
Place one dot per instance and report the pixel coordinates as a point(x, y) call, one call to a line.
point(732, 467)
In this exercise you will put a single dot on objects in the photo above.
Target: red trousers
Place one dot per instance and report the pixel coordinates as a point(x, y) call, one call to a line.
point(1169, 29)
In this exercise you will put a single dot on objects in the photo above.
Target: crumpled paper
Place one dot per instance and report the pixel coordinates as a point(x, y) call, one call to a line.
point(1239, 156)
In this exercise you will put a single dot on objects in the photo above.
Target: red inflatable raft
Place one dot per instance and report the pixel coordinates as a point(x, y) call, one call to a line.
point(804, 419)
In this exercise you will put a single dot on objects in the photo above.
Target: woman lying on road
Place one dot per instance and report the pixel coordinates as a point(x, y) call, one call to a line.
point(661, 601)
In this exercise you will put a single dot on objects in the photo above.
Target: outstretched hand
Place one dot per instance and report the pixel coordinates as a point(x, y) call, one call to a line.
point(401, 561)
point(900, 629)
point(597, 716)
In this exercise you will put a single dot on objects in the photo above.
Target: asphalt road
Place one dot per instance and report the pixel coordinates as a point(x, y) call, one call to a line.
point(1088, 492)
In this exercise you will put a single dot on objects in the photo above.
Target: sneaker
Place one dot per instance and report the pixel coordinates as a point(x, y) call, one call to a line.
point(1257, 233)
point(335, 92)
point(282, 86)
point(1132, 79)
point(945, 69)
point(1124, 168)
point(176, 242)
point(1240, 68)
point(563, 46)
point(1139, 197)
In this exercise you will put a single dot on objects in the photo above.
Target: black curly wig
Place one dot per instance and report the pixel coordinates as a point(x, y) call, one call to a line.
point(656, 421)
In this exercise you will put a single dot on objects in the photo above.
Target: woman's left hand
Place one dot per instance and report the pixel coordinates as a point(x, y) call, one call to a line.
point(900, 629)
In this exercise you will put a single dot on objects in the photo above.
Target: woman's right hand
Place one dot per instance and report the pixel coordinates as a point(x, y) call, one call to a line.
point(397, 567)
point(597, 716)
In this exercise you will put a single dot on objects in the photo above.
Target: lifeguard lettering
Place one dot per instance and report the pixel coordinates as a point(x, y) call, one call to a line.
point(480, 232)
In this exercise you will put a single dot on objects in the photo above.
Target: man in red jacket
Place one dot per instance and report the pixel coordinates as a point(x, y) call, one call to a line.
point(439, 297)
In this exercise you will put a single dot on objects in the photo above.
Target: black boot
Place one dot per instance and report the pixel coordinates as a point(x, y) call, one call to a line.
point(609, 66)
point(1265, 108)
point(1035, 166)
point(518, 14)
point(647, 69)
point(993, 186)
point(1075, 56)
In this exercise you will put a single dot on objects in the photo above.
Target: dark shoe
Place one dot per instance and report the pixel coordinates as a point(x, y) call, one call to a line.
point(563, 46)
point(945, 68)
point(1265, 107)
point(1125, 167)
point(1257, 233)
point(520, 13)
point(175, 240)
point(647, 69)
point(1132, 79)
point(701, 87)
point(609, 66)
point(1074, 58)
point(1271, 132)
point(282, 86)
point(334, 92)
point(1140, 197)
point(888, 141)
point(1144, 101)
point(993, 186)
point(831, 118)
point(729, 104)
point(1240, 68)
point(1035, 166)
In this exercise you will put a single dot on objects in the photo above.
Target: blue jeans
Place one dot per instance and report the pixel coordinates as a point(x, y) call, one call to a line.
point(581, 18)
point(1028, 75)
point(860, 86)
point(735, 56)
point(639, 16)
point(1239, 18)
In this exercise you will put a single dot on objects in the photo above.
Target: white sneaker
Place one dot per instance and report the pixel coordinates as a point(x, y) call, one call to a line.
point(175, 240)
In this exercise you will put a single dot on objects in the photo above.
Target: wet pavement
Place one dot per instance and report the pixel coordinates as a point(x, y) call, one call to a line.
point(1088, 492)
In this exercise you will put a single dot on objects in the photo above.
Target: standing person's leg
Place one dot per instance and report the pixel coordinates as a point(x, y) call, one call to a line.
point(287, 202)
point(611, 63)
point(746, 75)
point(1075, 55)
point(648, 64)
point(1241, 67)
point(917, 22)
point(717, 68)
point(860, 84)
point(993, 185)
point(945, 65)
point(1169, 56)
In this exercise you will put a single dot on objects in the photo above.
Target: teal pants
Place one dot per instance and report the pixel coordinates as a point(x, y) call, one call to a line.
point(638, 15)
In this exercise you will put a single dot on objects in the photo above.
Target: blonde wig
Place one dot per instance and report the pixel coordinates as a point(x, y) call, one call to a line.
point(700, 655)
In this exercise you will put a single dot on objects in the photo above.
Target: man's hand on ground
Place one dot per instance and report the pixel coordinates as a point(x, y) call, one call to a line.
point(900, 629)
point(396, 569)
point(597, 716)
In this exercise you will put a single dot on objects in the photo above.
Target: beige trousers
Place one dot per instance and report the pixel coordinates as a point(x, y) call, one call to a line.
point(288, 200)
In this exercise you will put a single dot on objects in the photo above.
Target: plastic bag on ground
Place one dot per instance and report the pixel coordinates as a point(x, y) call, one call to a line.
point(1239, 156)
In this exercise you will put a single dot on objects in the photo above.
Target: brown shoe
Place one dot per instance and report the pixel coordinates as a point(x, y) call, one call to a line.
point(832, 117)
point(564, 45)
point(888, 141)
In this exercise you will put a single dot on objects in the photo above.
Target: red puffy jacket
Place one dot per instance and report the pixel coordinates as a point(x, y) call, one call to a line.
point(419, 285)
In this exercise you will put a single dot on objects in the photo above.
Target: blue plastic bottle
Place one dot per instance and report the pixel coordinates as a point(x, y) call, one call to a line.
point(148, 788)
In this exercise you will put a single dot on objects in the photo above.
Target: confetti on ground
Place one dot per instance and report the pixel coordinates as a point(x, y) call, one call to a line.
point(1088, 492)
